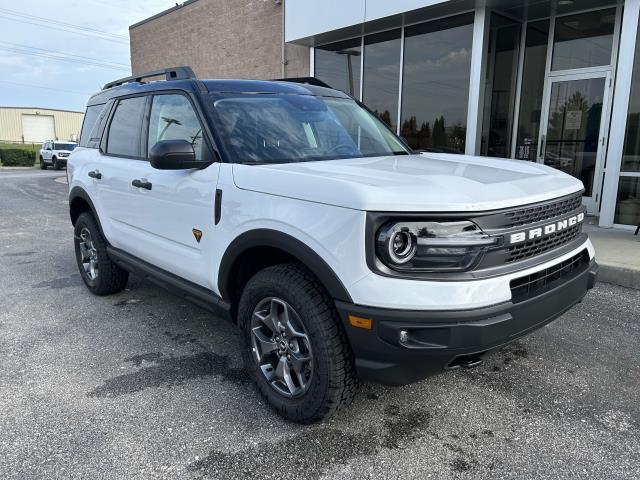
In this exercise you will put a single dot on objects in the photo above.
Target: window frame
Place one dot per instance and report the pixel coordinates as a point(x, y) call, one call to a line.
point(104, 141)
point(212, 152)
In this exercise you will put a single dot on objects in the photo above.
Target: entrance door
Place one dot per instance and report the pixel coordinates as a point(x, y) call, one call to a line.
point(574, 126)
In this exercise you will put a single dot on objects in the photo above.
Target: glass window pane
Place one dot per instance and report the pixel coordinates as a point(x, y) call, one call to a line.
point(628, 206)
point(535, 60)
point(382, 75)
point(338, 64)
point(499, 98)
point(631, 153)
point(124, 132)
point(173, 118)
point(583, 40)
point(435, 95)
point(90, 119)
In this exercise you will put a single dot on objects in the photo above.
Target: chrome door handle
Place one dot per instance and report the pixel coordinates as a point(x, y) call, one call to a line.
point(95, 174)
point(141, 184)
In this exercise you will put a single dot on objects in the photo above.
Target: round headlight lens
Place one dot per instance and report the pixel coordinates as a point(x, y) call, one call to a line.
point(402, 246)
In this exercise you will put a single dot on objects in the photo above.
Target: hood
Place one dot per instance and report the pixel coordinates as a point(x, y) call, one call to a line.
point(411, 183)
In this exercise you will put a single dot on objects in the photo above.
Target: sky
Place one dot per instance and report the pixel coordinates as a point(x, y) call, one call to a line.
point(56, 53)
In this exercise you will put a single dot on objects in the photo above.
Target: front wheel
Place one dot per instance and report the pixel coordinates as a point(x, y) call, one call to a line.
point(43, 166)
point(56, 165)
point(99, 273)
point(294, 346)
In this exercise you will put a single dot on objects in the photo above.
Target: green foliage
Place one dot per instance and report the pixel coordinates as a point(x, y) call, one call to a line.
point(16, 157)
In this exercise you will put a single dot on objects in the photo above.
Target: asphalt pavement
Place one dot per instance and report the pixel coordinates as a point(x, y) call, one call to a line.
point(142, 385)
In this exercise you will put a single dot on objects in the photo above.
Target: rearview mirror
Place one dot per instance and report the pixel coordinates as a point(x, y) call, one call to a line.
point(173, 155)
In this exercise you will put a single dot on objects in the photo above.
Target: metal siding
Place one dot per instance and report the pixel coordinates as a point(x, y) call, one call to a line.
point(66, 123)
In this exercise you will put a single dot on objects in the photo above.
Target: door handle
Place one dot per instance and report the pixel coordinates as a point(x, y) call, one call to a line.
point(95, 174)
point(141, 184)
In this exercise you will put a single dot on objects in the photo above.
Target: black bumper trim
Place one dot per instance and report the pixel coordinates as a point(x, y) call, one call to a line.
point(436, 338)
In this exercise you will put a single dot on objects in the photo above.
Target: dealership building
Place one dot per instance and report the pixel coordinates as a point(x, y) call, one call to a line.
point(555, 82)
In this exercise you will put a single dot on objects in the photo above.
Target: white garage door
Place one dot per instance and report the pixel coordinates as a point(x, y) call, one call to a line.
point(38, 128)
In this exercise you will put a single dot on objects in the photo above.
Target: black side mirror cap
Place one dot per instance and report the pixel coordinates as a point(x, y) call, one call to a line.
point(174, 155)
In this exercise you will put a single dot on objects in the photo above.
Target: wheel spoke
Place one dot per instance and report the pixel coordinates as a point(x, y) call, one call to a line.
point(267, 320)
point(298, 362)
point(283, 373)
point(279, 313)
point(263, 343)
point(292, 331)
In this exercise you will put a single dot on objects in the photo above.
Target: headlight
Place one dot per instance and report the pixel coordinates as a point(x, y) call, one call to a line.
point(432, 246)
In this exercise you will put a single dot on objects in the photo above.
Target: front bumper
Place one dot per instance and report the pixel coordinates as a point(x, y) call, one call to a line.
point(437, 340)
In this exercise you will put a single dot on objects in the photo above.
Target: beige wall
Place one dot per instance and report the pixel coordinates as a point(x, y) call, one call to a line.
point(66, 123)
point(218, 39)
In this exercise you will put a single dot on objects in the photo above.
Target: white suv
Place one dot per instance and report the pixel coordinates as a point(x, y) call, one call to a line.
point(291, 210)
point(54, 153)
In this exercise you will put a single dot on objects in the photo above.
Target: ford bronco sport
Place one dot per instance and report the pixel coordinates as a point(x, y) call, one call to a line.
point(290, 209)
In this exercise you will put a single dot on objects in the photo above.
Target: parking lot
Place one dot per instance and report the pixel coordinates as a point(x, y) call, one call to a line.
point(143, 385)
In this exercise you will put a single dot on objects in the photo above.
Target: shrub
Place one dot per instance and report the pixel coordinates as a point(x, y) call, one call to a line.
point(15, 157)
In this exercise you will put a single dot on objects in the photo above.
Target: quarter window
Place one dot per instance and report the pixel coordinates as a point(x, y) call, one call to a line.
point(124, 132)
point(173, 118)
point(89, 123)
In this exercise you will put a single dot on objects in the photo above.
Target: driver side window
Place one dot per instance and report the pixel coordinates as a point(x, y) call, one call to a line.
point(173, 118)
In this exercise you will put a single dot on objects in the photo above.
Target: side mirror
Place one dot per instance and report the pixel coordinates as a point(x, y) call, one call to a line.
point(173, 155)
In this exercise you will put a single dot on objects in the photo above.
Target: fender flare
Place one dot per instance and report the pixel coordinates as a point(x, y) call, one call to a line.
point(275, 239)
point(79, 192)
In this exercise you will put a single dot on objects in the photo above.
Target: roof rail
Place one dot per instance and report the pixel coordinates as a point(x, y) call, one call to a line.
point(308, 80)
point(173, 73)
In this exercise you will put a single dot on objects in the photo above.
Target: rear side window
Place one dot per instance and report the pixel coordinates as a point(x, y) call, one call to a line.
point(173, 118)
point(126, 125)
point(89, 123)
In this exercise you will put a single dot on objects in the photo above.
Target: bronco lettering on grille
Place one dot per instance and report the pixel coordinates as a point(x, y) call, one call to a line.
point(546, 230)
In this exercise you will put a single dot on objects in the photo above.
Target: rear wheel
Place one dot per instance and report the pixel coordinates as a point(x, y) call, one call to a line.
point(43, 166)
point(293, 344)
point(99, 273)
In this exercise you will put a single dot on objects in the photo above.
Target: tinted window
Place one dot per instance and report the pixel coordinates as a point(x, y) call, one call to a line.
point(437, 66)
point(124, 132)
point(173, 118)
point(583, 40)
point(381, 75)
point(338, 64)
point(64, 146)
point(90, 119)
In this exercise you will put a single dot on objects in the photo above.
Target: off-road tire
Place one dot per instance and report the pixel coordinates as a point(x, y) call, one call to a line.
point(43, 166)
point(111, 278)
point(56, 165)
point(334, 383)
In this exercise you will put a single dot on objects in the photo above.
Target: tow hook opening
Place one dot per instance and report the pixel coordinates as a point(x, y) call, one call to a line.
point(466, 361)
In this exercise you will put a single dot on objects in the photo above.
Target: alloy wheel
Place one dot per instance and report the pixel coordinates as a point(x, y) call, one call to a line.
point(88, 254)
point(281, 347)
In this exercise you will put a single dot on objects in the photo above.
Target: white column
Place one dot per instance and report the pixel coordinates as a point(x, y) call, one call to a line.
point(312, 62)
point(619, 112)
point(476, 83)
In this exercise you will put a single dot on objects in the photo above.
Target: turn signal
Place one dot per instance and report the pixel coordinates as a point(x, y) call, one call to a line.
point(360, 322)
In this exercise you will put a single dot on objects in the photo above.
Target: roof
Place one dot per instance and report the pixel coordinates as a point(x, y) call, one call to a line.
point(42, 108)
point(163, 13)
point(216, 86)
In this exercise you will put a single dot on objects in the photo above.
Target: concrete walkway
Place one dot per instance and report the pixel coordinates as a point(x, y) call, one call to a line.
point(617, 253)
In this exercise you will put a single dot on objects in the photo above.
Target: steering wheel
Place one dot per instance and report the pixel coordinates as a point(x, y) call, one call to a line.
point(335, 148)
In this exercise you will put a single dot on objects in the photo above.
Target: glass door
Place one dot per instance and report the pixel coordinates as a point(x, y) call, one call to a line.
point(574, 126)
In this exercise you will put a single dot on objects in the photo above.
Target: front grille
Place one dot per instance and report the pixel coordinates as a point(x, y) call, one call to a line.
point(537, 283)
point(540, 245)
point(539, 213)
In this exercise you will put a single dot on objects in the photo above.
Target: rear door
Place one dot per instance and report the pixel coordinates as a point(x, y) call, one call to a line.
point(120, 162)
point(175, 218)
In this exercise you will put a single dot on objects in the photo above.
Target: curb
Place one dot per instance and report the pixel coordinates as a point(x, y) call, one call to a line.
point(624, 277)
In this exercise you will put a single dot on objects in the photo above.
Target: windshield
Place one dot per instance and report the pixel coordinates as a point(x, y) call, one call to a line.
point(64, 146)
point(272, 128)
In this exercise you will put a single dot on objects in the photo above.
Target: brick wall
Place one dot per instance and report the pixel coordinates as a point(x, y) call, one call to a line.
point(218, 39)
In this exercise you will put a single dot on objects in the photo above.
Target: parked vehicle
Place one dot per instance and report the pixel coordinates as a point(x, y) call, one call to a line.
point(293, 211)
point(54, 153)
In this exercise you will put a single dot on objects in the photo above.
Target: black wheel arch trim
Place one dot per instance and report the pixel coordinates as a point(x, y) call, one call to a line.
point(287, 243)
point(79, 192)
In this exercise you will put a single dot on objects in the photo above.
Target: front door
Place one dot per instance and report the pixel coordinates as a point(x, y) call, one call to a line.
point(574, 128)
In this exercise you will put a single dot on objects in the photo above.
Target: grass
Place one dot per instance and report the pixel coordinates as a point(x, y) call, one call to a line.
point(31, 148)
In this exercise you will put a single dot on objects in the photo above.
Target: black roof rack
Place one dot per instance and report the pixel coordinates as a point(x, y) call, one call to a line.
point(173, 73)
point(308, 80)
